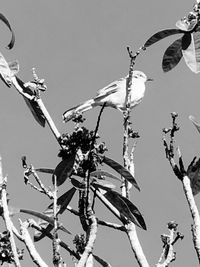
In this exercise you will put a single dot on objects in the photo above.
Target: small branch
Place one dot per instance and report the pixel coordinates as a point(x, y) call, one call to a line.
point(56, 253)
point(168, 253)
point(7, 217)
point(30, 246)
point(111, 225)
point(42, 189)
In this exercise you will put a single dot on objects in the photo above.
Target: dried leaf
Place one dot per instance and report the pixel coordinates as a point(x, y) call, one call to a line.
point(193, 173)
point(121, 170)
point(12, 41)
point(64, 170)
point(195, 123)
point(119, 203)
point(161, 35)
point(192, 53)
point(172, 55)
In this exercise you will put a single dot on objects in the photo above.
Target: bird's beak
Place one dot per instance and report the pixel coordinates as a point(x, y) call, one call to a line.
point(149, 79)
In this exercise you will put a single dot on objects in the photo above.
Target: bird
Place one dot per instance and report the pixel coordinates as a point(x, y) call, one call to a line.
point(113, 95)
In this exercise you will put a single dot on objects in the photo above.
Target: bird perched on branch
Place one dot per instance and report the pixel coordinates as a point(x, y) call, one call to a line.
point(113, 95)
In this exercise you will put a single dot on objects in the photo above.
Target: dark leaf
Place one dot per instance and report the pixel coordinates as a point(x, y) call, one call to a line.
point(45, 170)
point(196, 124)
point(64, 170)
point(102, 174)
point(24, 164)
point(161, 35)
point(32, 104)
point(4, 19)
point(101, 261)
point(172, 55)
point(121, 170)
point(136, 213)
point(103, 185)
point(118, 202)
point(44, 218)
point(65, 199)
point(36, 111)
point(193, 173)
point(186, 25)
point(62, 203)
point(77, 184)
point(192, 53)
point(186, 40)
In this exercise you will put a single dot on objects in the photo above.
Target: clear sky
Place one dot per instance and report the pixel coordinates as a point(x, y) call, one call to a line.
point(79, 47)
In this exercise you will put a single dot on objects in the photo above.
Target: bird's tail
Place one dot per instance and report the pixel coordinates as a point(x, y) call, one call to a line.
point(69, 114)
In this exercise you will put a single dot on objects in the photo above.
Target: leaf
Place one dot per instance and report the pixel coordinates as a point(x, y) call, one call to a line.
point(186, 25)
point(64, 170)
point(161, 35)
point(32, 104)
point(12, 41)
point(45, 170)
point(172, 55)
point(105, 186)
point(101, 261)
point(136, 213)
point(121, 170)
point(192, 53)
point(62, 203)
point(78, 185)
point(5, 72)
point(195, 123)
point(44, 218)
point(119, 203)
point(102, 174)
point(193, 173)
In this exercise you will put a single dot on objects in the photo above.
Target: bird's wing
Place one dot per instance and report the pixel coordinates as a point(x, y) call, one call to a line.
point(109, 89)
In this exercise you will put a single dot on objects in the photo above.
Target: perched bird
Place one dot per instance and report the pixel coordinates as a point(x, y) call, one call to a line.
point(114, 95)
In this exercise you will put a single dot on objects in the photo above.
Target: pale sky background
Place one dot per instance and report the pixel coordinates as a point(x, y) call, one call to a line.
point(79, 47)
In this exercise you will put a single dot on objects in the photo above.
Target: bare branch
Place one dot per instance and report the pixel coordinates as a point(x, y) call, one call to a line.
point(6, 216)
point(30, 246)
